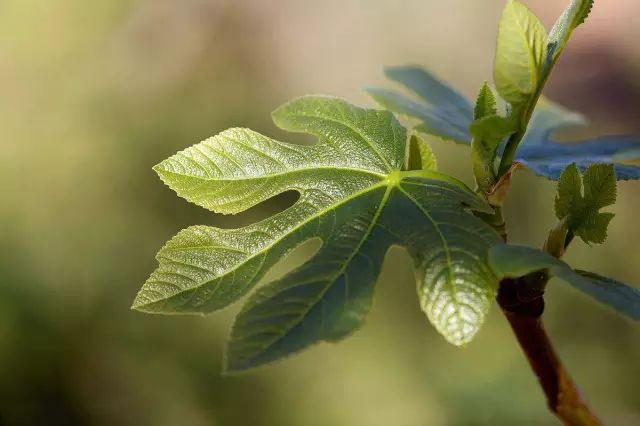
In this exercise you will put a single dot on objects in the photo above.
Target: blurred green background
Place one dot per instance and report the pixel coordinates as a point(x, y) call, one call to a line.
point(94, 93)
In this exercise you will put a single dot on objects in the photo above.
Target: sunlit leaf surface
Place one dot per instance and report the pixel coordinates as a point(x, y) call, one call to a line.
point(356, 197)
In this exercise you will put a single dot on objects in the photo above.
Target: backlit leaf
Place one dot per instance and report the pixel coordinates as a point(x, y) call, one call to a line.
point(354, 196)
point(520, 54)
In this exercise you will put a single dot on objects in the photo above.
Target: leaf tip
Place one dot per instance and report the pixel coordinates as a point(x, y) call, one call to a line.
point(462, 336)
point(148, 305)
point(141, 304)
point(161, 170)
point(234, 364)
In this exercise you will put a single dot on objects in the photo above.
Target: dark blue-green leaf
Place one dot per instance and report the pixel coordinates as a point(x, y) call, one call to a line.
point(447, 115)
point(441, 110)
point(514, 261)
point(548, 158)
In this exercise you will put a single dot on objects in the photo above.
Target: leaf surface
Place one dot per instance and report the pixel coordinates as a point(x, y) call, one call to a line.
point(580, 199)
point(520, 54)
point(514, 261)
point(354, 196)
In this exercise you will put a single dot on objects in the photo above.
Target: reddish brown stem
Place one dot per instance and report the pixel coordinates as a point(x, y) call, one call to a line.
point(523, 309)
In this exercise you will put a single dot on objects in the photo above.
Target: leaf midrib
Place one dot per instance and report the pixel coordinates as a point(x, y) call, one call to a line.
point(270, 246)
point(306, 168)
point(443, 240)
point(530, 50)
point(402, 175)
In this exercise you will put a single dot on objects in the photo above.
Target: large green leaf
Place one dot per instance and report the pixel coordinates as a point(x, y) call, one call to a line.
point(356, 197)
point(516, 261)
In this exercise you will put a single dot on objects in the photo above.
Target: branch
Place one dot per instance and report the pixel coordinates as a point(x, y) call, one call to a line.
point(522, 303)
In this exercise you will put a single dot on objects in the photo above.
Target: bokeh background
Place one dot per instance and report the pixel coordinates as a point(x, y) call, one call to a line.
point(94, 93)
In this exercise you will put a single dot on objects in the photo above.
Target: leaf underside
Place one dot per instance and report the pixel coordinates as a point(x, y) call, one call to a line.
point(355, 197)
point(516, 261)
point(538, 151)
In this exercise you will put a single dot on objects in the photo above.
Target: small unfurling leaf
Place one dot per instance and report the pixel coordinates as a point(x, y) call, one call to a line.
point(421, 157)
point(487, 134)
point(579, 201)
point(485, 103)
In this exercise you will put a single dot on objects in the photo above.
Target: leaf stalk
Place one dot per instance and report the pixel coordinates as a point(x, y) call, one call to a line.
point(525, 318)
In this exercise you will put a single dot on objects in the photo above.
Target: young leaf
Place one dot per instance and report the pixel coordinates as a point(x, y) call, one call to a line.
point(492, 128)
point(520, 54)
point(538, 150)
point(581, 212)
point(517, 261)
point(421, 157)
point(487, 134)
point(484, 144)
point(569, 192)
point(485, 104)
point(523, 109)
point(354, 197)
point(573, 16)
